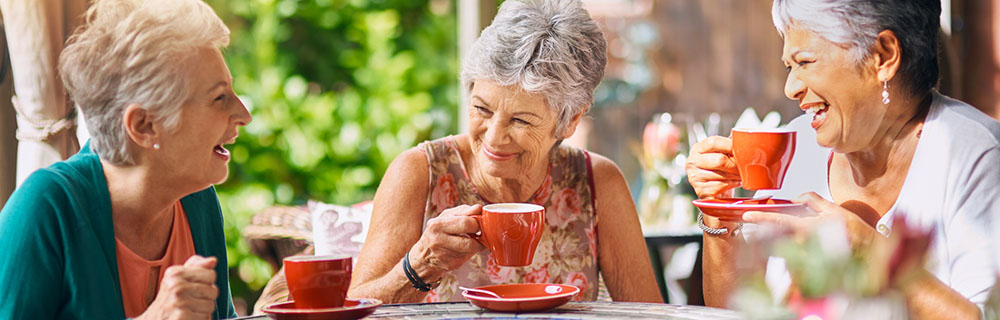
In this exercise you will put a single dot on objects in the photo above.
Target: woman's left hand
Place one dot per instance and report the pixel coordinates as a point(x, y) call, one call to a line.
point(859, 232)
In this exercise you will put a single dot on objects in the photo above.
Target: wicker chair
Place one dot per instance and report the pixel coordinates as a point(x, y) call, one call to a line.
point(274, 234)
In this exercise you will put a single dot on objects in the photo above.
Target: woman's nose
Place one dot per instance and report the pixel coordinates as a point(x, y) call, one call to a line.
point(497, 132)
point(794, 88)
point(242, 115)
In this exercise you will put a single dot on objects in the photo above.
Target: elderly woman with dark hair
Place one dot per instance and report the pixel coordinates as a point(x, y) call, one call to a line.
point(865, 72)
point(530, 79)
point(131, 226)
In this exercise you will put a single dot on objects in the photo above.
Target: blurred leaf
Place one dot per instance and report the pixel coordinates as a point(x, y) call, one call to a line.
point(337, 89)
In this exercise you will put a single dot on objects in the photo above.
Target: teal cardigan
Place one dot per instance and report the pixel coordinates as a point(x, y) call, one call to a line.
point(57, 245)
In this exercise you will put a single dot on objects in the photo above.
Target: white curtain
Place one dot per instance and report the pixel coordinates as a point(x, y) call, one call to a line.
point(46, 121)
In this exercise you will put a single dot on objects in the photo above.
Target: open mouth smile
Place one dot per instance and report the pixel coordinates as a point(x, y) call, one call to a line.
point(817, 111)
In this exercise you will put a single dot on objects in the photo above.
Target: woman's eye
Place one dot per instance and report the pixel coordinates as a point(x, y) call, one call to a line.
point(521, 121)
point(788, 68)
point(220, 97)
point(484, 110)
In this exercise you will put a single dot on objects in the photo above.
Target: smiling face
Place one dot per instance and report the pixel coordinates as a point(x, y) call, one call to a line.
point(510, 130)
point(194, 151)
point(843, 98)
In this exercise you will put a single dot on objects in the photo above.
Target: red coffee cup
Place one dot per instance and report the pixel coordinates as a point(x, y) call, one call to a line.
point(511, 231)
point(762, 156)
point(317, 282)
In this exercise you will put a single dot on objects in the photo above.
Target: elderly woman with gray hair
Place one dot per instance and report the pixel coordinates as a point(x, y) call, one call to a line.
point(530, 79)
point(864, 72)
point(131, 226)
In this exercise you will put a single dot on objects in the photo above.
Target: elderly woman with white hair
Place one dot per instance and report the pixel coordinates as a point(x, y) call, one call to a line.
point(530, 79)
point(131, 226)
point(864, 72)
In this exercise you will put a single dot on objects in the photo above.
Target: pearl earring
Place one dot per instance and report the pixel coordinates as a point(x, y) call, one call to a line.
point(885, 92)
point(156, 146)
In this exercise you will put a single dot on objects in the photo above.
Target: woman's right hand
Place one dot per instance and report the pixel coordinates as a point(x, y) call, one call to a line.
point(445, 244)
point(711, 168)
point(186, 292)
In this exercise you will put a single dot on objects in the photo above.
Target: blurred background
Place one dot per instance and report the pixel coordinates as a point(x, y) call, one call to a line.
point(338, 88)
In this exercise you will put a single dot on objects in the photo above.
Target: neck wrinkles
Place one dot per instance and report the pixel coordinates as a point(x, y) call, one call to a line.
point(895, 145)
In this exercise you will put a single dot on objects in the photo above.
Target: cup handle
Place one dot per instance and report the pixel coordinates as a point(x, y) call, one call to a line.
point(479, 236)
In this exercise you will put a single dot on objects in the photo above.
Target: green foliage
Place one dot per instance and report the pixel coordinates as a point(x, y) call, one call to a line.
point(337, 89)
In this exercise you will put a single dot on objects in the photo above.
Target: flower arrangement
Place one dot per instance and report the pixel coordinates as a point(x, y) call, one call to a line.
point(662, 172)
point(831, 280)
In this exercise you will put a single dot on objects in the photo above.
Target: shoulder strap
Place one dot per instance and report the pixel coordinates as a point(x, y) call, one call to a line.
point(590, 180)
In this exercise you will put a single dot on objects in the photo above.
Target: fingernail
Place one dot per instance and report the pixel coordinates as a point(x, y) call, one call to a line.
point(747, 216)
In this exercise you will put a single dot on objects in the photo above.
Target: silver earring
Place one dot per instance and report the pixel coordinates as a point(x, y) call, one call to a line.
point(885, 92)
point(156, 146)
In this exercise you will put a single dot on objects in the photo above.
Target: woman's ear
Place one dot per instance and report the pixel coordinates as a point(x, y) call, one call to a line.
point(140, 127)
point(571, 127)
point(888, 55)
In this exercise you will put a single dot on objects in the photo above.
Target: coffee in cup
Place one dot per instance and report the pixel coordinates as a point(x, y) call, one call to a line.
point(316, 282)
point(511, 231)
point(762, 156)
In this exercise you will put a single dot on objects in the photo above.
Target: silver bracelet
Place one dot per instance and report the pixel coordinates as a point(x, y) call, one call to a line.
point(715, 231)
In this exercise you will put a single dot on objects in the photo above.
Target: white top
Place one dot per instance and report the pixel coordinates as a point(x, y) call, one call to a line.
point(953, 185)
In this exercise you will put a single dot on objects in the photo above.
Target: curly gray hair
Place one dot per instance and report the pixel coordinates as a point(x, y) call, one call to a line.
point(855, 24)
point(551, 47)
point(133, 52)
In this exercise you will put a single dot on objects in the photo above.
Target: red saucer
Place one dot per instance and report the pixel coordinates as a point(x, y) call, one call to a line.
point(732, 209)
point(352, 309)
point(523, 297)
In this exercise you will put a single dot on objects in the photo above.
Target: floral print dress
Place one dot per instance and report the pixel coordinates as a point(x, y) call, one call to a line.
point(567, 253)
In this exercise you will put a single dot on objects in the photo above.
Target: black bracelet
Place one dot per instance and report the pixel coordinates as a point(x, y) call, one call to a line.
point(415, 279)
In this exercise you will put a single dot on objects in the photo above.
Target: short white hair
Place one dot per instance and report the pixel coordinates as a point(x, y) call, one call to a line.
point(551, 47)
point(134, 52)
point(855, 25)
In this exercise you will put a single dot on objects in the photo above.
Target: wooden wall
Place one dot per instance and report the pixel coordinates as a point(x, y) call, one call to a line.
point(711, 56)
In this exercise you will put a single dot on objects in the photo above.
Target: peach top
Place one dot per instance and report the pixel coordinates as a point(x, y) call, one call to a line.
point(140, 278)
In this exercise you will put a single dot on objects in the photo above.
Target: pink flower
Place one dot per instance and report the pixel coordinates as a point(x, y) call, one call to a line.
point(565, 207)
point(911, 244)
point(445, 192)
point(432, 296)
point(497, 273)
point(538, 275)
point(661, 139)
point(592, 239)
point(543, 191)
point(819, 308)
point(579, 280)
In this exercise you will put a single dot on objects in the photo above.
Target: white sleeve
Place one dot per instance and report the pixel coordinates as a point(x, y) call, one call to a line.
point(972, 252)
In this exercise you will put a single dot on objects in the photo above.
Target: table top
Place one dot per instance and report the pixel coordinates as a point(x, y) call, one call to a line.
point(573, 310)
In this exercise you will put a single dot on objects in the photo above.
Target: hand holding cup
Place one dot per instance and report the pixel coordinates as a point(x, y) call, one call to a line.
point(445, 244)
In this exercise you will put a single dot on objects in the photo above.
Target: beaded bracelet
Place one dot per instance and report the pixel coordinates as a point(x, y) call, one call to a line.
point(715, 231)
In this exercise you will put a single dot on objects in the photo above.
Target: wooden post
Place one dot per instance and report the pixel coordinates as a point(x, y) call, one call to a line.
point(8, 143)
point(979, 53)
